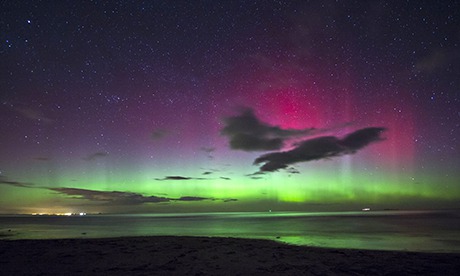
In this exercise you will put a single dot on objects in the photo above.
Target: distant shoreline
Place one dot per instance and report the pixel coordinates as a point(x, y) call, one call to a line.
point(364, 211)
point(209, 256)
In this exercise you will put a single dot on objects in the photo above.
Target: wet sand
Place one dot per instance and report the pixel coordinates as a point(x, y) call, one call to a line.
point(209, 256)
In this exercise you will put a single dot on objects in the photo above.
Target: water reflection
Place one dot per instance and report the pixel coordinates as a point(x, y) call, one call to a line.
point(391, 230)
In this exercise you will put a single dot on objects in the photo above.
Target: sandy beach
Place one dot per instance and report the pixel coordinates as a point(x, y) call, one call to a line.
point(209, 256)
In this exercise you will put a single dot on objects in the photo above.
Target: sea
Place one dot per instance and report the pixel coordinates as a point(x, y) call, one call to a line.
point(418, 231)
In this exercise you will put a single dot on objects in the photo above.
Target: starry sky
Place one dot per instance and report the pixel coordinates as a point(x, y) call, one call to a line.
point(203, 106)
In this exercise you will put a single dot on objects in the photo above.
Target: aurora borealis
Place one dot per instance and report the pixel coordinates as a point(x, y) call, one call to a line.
point(202, 106)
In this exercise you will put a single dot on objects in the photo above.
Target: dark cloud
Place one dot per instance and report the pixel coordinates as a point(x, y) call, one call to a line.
point(110, 197)
point(209, 170)
point(230, 200)
point(185, 178)
point(124, 198)
point(193, 198)
point(313, 149)
point(4, 181)
point(363, 137)
point(292, 170)
point(198, 198)
point(177, 177)
point(95, 155)
point(320, 148)
point(247, 133)
point(249, 142)
point(114, 197)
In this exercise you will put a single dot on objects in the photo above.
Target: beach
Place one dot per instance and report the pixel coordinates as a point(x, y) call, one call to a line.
point(174, 255)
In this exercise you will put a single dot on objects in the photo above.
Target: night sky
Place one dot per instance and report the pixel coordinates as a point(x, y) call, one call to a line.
point(187, 106)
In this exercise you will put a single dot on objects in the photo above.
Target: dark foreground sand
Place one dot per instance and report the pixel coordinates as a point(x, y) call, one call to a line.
point(208, 256)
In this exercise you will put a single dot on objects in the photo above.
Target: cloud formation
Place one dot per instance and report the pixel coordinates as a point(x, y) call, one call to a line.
point(124, 198)
point(192, 198)
point(95, 155)
point(4, 181)
point(185, 178)
point(320, 148)
point(110, 197)
point(247, 133)
point(362, 137)
point(177, 177)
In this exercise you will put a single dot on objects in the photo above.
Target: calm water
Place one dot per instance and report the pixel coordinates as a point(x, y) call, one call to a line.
point(434, 231)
